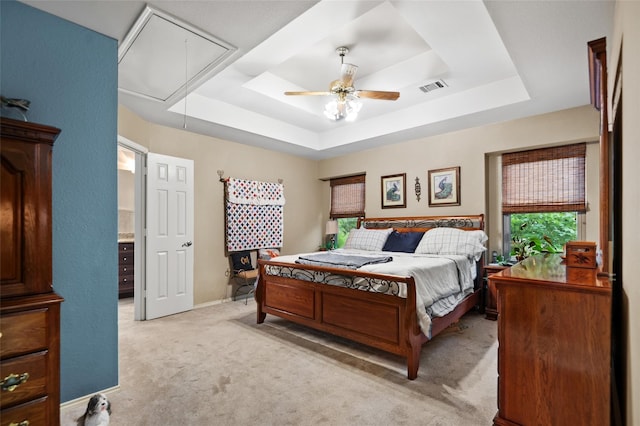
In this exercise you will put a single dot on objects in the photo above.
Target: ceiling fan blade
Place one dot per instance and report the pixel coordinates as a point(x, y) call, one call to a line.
point(378, 94)
point(347, 74)
point(308, 93)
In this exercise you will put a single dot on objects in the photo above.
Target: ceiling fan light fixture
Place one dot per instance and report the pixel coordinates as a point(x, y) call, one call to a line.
point(346, 106)
point(346, 99)
point(332, 110)
point(353, 105)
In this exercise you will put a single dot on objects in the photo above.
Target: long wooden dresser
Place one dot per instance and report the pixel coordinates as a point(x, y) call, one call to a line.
point(554, 334)
point(29, 309)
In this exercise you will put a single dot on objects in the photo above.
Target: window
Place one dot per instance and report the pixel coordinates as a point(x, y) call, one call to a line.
point(347, 204)
point(543, 195)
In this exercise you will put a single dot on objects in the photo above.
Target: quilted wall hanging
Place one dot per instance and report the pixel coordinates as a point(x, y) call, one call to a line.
point(254, 214)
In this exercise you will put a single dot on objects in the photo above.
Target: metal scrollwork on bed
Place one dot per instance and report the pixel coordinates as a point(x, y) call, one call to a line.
point(376, 285)
point(417, 223)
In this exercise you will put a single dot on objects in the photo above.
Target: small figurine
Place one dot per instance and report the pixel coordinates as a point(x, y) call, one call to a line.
point(18, 105)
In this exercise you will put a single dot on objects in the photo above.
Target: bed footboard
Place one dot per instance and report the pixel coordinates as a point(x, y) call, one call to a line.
point(382, 321)
point(378, 316)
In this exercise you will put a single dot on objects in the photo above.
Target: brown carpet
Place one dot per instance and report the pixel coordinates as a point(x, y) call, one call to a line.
point(216, 366)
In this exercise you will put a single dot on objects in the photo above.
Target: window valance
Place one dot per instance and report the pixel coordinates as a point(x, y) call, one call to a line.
point(544, 180)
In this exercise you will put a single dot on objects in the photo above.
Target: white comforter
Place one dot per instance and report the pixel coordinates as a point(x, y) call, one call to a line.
point(441, 281)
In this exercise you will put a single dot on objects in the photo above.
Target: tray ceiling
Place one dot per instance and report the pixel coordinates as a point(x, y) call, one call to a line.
point(489, 61)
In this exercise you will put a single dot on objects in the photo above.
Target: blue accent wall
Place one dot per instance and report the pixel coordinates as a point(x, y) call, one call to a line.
point(70, 75)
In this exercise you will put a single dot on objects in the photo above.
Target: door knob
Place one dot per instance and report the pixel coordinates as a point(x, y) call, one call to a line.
point(187, 244)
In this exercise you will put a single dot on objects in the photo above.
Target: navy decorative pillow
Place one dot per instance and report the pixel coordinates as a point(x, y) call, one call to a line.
point(403, 241)
point(241, 261)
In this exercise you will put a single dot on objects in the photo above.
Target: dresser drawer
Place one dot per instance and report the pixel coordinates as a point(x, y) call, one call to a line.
point(33, 412)
point(125, 280)
point(125, 270)
point(125, 254)
point(126, 259)
point(23, 332)
point(32, 369)
point(125, 248)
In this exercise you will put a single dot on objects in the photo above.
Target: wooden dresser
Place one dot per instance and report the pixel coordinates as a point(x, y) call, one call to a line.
point(554, 355)
point(125, 269)
point(29, 309)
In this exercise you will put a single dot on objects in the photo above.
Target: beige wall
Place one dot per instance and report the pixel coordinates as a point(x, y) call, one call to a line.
point(626, 28)
point(303, 222)
point(474, 150)
point(479, 176)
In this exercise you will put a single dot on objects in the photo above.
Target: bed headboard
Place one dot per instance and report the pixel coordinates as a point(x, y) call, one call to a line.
point(423, 223)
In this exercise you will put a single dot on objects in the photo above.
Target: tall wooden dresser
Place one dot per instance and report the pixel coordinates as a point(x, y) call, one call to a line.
point(29, 309)
point(554, 334)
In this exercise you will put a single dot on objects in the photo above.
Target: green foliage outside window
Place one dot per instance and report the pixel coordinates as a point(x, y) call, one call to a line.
point(344, 226)
point(541, 232)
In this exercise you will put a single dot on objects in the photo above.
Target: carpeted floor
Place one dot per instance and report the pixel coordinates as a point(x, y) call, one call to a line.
point(216, 366)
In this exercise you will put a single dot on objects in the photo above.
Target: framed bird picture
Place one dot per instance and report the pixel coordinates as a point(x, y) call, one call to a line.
point(444, 187)
point(394, 191)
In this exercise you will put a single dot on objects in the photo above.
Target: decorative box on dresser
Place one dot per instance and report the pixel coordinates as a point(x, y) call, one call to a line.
point(554, 334)
point(29, 309)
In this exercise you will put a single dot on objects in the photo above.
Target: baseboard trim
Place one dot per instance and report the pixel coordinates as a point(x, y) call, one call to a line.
point(213, 303)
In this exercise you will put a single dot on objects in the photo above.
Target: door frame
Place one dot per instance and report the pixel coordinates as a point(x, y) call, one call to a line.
point(139, 252)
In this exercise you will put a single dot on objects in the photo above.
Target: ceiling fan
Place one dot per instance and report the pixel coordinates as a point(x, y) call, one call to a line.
point(346, 103)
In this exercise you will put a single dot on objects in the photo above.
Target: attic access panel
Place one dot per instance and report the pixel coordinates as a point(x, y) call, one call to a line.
point(161, 53)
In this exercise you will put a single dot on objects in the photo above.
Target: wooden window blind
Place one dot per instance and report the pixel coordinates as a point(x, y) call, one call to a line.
point(544, 180)
point(347, 197)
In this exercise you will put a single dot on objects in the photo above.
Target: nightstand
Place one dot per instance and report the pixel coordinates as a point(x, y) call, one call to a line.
point(491, 298)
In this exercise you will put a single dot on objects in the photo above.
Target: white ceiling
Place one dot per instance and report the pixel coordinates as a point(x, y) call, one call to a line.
point(500, 60)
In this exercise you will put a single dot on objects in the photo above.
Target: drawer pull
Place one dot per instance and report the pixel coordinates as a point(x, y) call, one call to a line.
point(22, 423)
point(12, 381)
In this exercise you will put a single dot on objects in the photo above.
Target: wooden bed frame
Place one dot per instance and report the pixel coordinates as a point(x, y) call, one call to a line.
point(383, 321)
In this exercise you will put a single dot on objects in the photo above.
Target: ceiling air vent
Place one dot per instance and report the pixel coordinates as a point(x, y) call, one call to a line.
point(438, 84)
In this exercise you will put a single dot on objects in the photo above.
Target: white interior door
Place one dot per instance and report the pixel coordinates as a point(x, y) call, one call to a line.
point(169, 284)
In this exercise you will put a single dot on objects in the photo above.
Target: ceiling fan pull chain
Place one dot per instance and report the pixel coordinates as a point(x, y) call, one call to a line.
point(186, 81)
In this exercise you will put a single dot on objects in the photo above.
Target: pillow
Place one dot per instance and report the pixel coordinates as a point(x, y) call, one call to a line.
point(367, 239)
point(453, 241)
point(403, 241)
point(241, 261)
point(268, 253)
